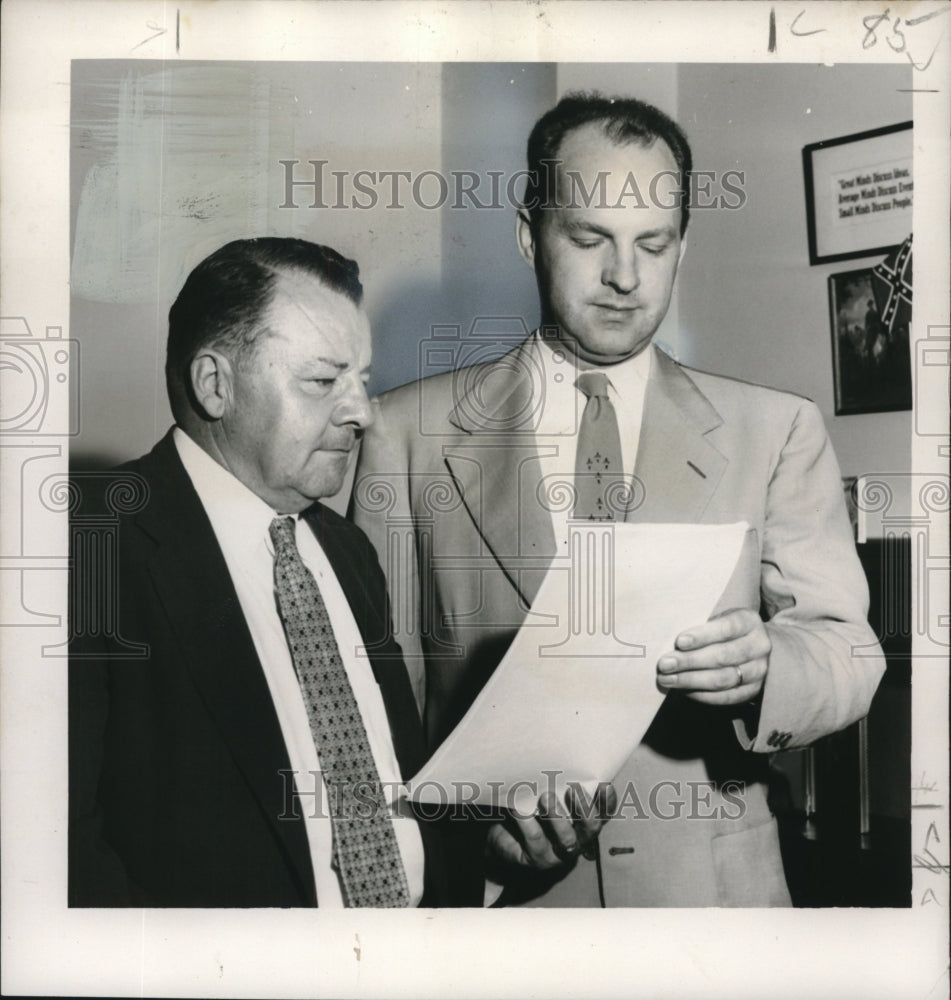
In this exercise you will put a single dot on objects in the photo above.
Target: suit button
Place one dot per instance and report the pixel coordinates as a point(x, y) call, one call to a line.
point(614, 851)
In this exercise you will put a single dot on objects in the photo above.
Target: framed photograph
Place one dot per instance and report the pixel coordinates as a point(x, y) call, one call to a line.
point(858, 193)
point(870, 361)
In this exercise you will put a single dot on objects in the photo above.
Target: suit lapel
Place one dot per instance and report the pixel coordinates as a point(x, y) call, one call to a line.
point(194, 586)
point(494, 461)
point(676, 466)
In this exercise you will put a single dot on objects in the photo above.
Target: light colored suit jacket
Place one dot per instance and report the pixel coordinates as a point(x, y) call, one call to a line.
point(447, 490)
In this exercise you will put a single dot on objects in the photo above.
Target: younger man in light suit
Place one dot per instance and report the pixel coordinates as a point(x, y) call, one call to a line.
point(787, 657)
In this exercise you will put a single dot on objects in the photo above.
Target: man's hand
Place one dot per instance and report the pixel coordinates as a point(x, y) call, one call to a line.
point(557, 833)
point(722, 662)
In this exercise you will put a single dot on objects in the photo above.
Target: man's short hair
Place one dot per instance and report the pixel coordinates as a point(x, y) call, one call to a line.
point(225, 296)
point(624, 120)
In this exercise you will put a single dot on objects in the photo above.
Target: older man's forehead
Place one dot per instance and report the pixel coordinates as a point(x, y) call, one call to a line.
point(310, 293)
point(307, 300)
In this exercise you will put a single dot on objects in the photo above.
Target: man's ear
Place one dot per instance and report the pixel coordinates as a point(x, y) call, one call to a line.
point(211, 382)
point(683, 249)
point(525, 237)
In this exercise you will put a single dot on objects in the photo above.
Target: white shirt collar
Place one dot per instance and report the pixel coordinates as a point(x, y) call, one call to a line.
point(619, 375)
point(238, 515)
point(562, 401)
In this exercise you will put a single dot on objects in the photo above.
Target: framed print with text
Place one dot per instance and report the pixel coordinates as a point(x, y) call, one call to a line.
point(858, 193)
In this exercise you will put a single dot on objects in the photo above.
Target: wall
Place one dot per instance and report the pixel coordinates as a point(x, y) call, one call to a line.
point(170, 161)
point(487, 111)
point(750, 303)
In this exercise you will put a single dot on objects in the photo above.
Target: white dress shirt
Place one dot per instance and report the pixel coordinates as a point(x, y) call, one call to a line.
point(559, 415)
point(240, 520)
point(559, 404)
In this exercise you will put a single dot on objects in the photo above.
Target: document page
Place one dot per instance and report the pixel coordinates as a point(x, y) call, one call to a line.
point(576, 691)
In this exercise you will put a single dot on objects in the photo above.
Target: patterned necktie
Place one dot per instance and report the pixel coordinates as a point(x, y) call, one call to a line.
point(599, 472)
point(366, 853)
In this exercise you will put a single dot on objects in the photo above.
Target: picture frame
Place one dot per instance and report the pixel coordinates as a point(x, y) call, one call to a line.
point(859, 192)
point(871, 364)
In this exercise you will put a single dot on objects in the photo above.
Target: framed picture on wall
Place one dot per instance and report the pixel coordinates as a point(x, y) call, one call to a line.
point(858, 193)
point(871, 363)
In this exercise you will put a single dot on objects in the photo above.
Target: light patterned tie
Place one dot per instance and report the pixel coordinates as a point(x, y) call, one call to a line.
point(599, 472)
point(366, 852)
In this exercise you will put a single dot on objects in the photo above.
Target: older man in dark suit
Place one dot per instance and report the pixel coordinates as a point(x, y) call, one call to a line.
point(254, 756)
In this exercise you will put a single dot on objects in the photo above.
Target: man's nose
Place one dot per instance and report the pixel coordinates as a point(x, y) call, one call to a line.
point(354, 407)
point(620, 271)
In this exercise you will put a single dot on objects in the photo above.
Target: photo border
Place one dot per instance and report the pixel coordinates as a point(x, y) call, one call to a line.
point(48, 951)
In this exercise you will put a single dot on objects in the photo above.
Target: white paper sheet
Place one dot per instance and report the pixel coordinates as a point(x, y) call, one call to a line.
point(576, 691)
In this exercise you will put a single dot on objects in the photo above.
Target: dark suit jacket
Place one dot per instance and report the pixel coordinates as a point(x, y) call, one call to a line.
point(175, 757)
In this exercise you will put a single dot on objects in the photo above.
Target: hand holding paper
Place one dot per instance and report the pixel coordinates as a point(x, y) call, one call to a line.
point(721, 662)
point(577, 689)
point(558, 832)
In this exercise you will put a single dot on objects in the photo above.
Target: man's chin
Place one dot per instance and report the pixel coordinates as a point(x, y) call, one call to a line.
point(329, 482)
point(606, 350)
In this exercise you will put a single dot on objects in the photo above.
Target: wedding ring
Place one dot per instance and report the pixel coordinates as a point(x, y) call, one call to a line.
point(739, 676)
